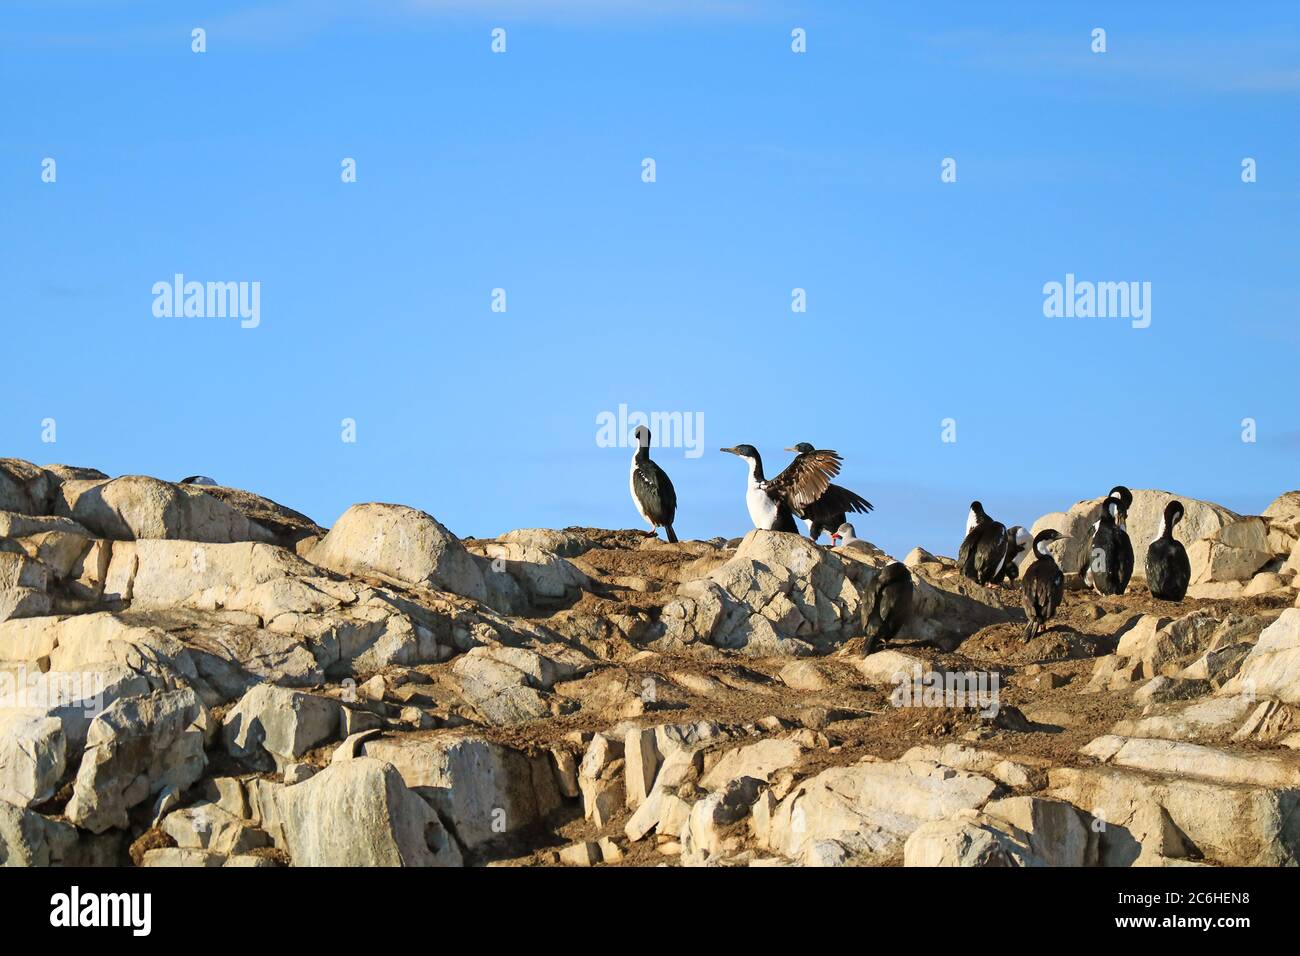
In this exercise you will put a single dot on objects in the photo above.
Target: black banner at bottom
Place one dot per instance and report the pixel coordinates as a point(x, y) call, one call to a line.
point(342, 906)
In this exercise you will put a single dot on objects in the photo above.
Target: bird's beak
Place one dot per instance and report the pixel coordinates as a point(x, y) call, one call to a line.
point(835, 541)
point(729, 451)
point(792, 448)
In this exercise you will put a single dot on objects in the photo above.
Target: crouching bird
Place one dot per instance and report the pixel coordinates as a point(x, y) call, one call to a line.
point(1168, 570)
point(1043, 586)
point(652, 492)
point(983, 552)
point(886, 604)
point(1111, 554)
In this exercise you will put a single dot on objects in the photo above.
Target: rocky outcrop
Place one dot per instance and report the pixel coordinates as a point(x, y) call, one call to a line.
point(212, 672)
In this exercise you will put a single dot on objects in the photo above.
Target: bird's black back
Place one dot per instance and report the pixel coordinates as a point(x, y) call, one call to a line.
point(655, 492)
point(1042, 589)
point(1168, 569)
point(1111, 558)
point(983, 551)
point(886, 602)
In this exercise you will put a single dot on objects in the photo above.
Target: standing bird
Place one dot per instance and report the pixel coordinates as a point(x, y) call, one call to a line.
point(1043, 587)
point(1111, 554)
point(652, 492)
point(1168, 570)
point(828, 512)
point(984, 550)
point(886, 604)
point(1125, 502)
point(772, 503)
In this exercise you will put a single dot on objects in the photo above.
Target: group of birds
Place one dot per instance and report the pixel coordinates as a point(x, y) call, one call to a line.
point(989, 551)
point(803, 490)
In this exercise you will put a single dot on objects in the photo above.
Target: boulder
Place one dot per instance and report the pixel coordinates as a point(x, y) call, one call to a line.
point(1015, 831)
point(403, 544)
point(207, 826)
point(483, 790)
point(271, 726)
point(1178, 758)
point(1272, 668)
point(33, 754)
point(965, 840)
point(758, 761)
point(1233, 553)
point(547, 579)
point(778, 592)
point(136, 748)
point(25, 488)
point(869, 809)
point(135, 506)
point(29, 839)
point(360, 813)
point(1142, 817)
point(1283, 517)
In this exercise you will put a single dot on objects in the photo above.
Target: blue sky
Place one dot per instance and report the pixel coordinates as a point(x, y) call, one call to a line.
point(775, 170)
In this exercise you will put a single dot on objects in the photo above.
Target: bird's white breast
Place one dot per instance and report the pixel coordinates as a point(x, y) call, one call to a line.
point(762, 509)
point(636, 500)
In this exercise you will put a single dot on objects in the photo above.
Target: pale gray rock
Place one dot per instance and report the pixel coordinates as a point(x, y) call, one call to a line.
point(1272, 668)
point(870, 809)
point(272, 726)
point(1142, 817)
point(403, 544)
point(33, 755)
point(135, 749)
point(360, 813)
point(135, 506)
point(481, 789)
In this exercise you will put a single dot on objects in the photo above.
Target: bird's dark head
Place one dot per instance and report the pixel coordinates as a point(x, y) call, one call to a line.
point(642, 436)
point(1042, 539)
point(1125, 502)
point(1173, 513)
point(744, 451)
point(977, 510)
point(802, 448)
point(1112, 508)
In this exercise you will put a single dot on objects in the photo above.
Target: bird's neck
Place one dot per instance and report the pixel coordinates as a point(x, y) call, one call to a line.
point(755, 470)
point(641, 455)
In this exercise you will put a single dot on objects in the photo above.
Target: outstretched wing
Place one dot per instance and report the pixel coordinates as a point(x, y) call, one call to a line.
point(839, 500)
point(806, 478)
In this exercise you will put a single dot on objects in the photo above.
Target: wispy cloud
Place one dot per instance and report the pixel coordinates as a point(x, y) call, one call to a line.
point(1241, 63)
